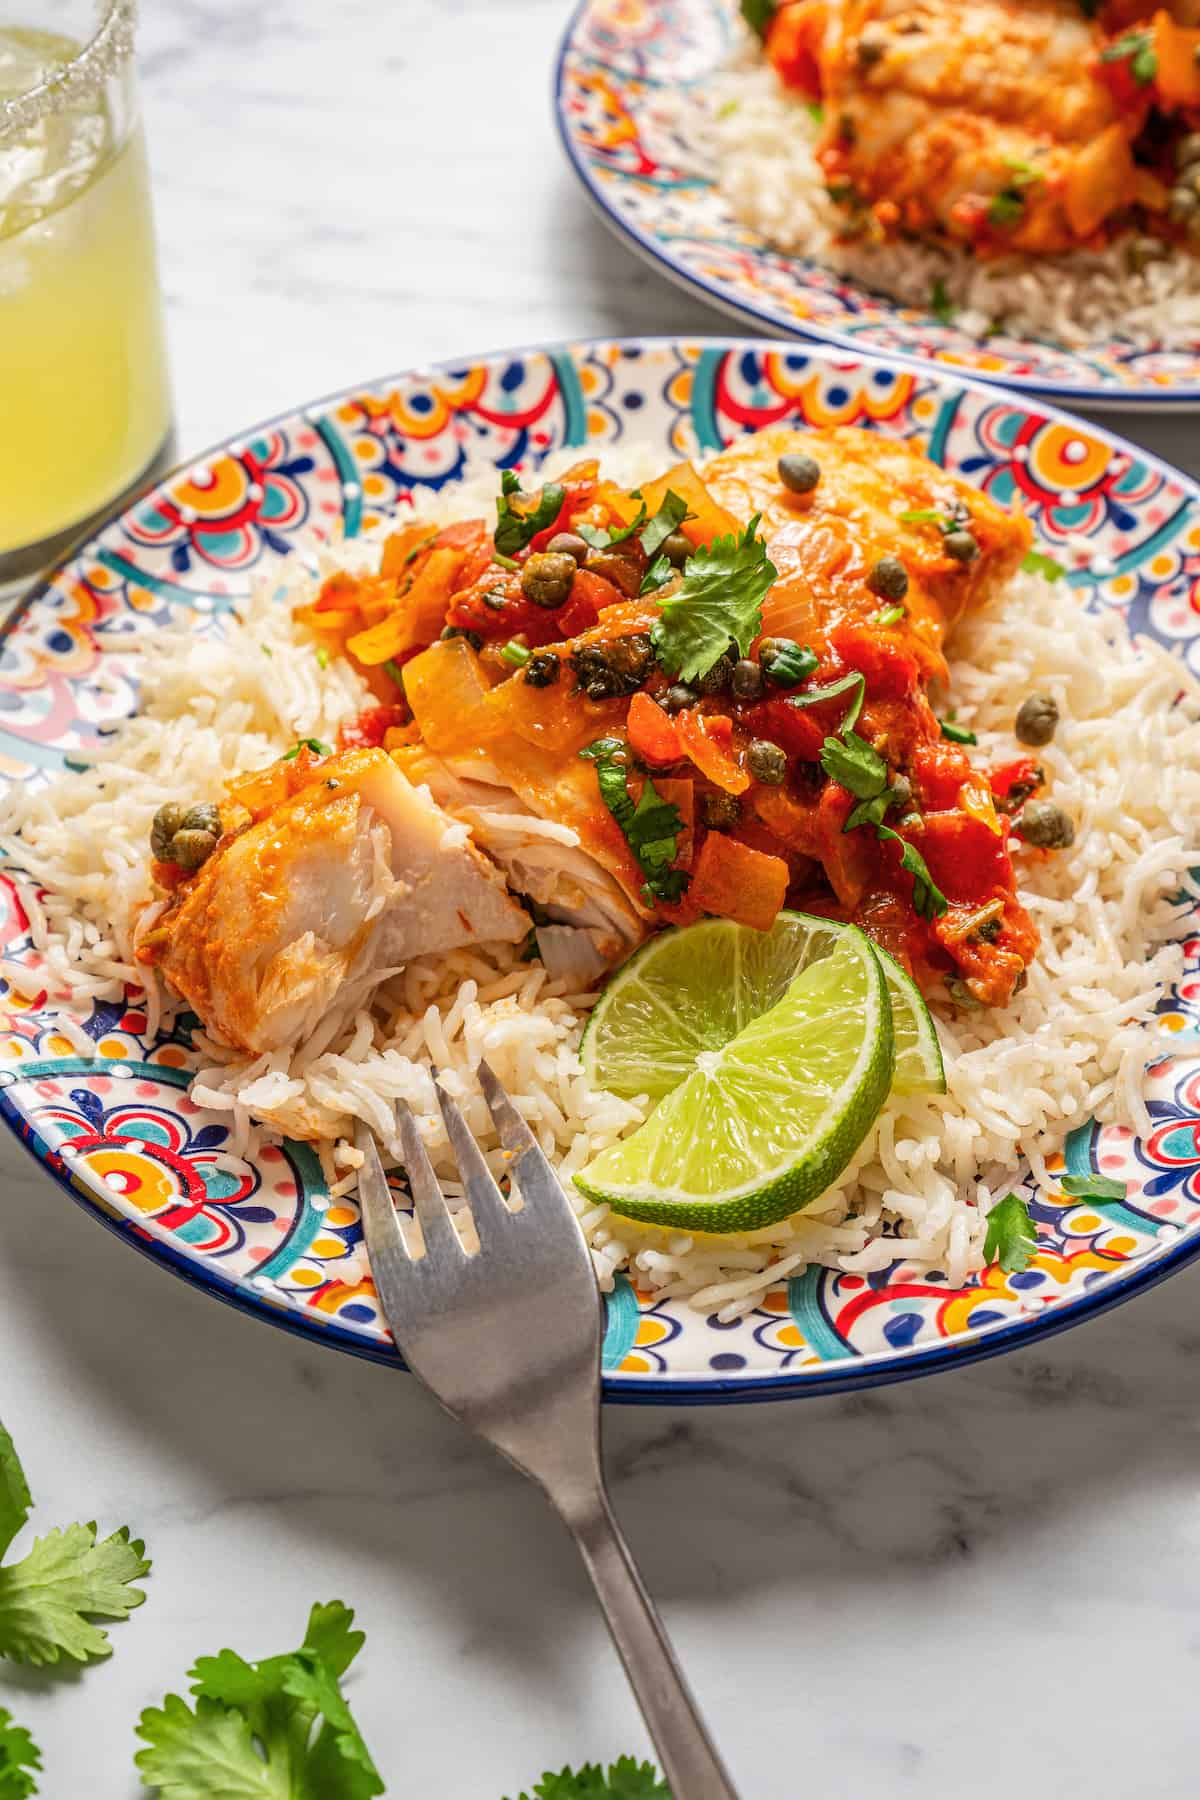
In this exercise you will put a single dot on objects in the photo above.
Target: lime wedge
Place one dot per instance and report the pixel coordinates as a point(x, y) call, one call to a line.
point(919, 1065)
point(765, 1121)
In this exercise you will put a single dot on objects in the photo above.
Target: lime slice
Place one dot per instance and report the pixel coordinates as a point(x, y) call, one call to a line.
point(692, 990)
point(919, 1065)
point(768, 1119)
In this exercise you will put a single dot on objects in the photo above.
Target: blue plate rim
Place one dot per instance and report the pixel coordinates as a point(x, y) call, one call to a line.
point(880, 1369)
point(1182, 398)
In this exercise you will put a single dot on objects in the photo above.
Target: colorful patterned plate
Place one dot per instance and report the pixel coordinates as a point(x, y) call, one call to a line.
point(117, 1129)
point(618, 59)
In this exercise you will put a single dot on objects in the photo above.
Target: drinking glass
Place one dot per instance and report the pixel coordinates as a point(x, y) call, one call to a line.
point(85, 404)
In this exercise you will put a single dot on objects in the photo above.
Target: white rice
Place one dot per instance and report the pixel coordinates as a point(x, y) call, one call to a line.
point(757, 140)
point(1125, 763)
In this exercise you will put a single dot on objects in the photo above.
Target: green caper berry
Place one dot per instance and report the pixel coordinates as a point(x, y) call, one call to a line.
point(1045, 826)
point(768, 763)
point(901, 791)
point(747, 682)
point(717, 679)
point(167, 821)
point(961, 994)
point(677, 548)
point(542, 669)
point(567, 543)
point(192, 848)
point(546, 579)
point(889, 578)
point(678, 696)
point(201, 818)
point(961, 546)
point(720, 811)
point(799, 473)
point(1036, 720)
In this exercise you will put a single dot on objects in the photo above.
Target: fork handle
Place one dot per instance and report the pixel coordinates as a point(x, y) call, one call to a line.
point(690, 1761)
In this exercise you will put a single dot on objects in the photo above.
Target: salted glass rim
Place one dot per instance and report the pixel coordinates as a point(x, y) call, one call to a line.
point(108, 48)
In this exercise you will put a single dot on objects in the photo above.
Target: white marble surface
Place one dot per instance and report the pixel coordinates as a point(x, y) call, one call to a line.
point(981, 1584)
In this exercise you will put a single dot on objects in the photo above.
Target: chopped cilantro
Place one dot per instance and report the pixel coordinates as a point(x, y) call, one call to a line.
point(519, 517)
point(890, 615)
point(1034, 563)
point(719, 600)
point(651, 828)
point(322, 657)
point(1006, 207)
point(929, 902)
point(279, 1727)
point(1011, 1239)
point(940, 303)
point(1136, 47)
point(830, 691)
point(1093, 1187)
point(852, 762)
point(313, 744)
point(624, 1780)
point(657, 575)
point(927, 515)
point(815, 111)
point(1025, 174)
point(758, 15)
point(957, 734)
point(870, 812)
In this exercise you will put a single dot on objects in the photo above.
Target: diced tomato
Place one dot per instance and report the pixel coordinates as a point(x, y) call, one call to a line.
point(967, 860)
point(370, 728)
point(1024, 774)
point(891, 673)
point(340, 592)
point(652, 734)
point(473, 536)
point(793, 728)
point(794, 40)
point(940, 769)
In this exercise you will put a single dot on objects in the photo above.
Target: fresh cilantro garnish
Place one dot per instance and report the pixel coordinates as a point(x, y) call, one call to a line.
point(657, 575)
point(651, 828)
point(852, 762)
point(1093, 1187)
point(1138, 47)
point(273, 1730)
point(870, 812)
point(519, 517)
point(929, 902)
point(927, 515)
point(1006, 207)
point(1024, 173)
point(1011, 1239)
point(957, 734)
point(815, 111)
point(1034, 563)
point(940, 303)
point(624, 1780)
point(18, 1756)
point(313, 744)
point(843, 685)
point(890, 615)
point(668, 518)
point(758, 15)
point(49, 1599)
point(720, 599)
point(322, 657)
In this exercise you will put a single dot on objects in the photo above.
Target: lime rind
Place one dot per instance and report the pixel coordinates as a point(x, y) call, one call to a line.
point(919, 1065)
point(763, 1125)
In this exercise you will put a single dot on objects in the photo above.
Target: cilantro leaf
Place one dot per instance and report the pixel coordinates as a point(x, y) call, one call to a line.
point(928, 899)
point(940, 303)
point(956, 734)
point(657, 575)
point(720, 598)
point(758, 15)
point(1011, 1239)
point(651, 828)
point(624, 1780)
point(1093, 1187)
point(843, 685)
point(1138, 47)
point(313, 744)
point(15, 1498)
point(668, 518)
point(855, 764)
point(273, 1730)
point(18, 1755)
point(1006, 207)
point(870, 812)
point(519, 517)
point(49, 1599)
point(1034, 563)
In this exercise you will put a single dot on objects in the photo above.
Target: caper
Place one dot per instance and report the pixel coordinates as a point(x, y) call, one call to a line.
point(677, 548)
point(607, 671)
point(167, 821)
point(1187, 150)
point(889, 578)
point(870, 51)
point(1036, 720)
point(678, 696)
point(785, 662)
point(1182, 204)
point(901, 792)
point(191, 848)
point(961, 546)
point(799, 473)
point(719, 676)
point(624, 573)
point(1045, 826)
point(546, 578)
point(542, 669)
point(768, 763)
point(568, 543)
point(201, 818)
point(719, 811)
point(747, 682)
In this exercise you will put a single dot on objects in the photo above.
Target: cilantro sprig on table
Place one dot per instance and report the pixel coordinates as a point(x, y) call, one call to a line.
point(20, 1758)
point(623, 1780)
point(651, 828)
point(719, 602)
point(1011, 1238)
point(50, 1600)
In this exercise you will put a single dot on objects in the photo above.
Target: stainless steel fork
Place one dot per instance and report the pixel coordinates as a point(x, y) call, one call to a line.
point(508, 1339)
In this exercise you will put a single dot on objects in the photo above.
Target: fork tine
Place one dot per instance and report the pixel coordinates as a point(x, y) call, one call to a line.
point(487, 1202)
point(381, 1227)
point(436, 1228)
point(538, 1183)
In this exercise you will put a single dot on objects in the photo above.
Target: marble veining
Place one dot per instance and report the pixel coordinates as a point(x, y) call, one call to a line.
point(914, 1590)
